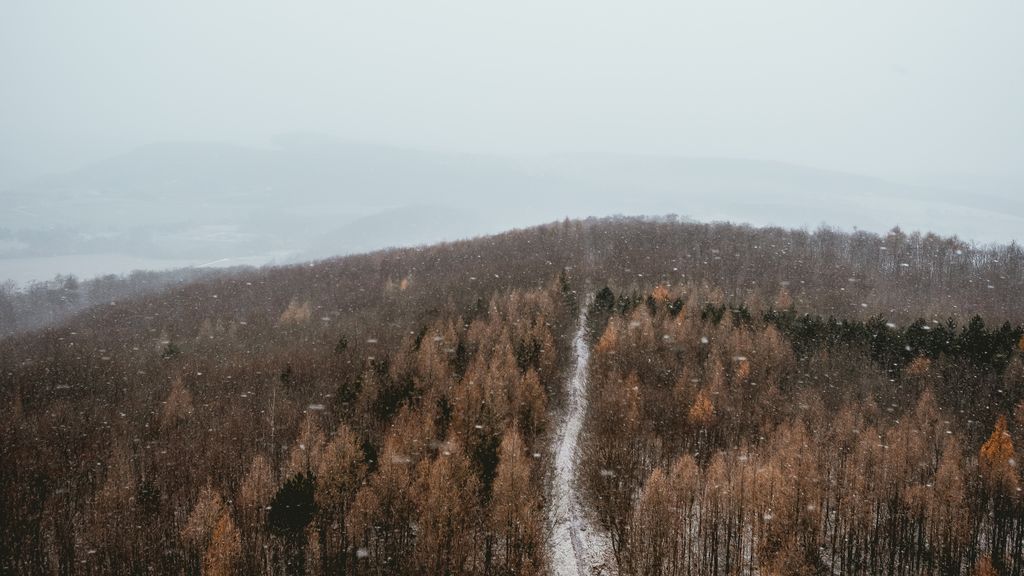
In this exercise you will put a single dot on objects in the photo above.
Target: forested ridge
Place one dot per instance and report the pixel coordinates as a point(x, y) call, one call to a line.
point(761, 401)
point(41, 304)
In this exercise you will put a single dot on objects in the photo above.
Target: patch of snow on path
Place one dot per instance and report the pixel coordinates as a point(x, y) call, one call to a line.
point(578, 548)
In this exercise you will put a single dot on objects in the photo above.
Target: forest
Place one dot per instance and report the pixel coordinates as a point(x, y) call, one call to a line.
point(758, 401)
point(37, 305)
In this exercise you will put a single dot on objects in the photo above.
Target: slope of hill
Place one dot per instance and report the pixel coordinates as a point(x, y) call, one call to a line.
point(397, 412)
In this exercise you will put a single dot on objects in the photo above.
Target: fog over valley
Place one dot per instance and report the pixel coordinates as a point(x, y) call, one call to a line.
point(305, 197)
point(250, 133)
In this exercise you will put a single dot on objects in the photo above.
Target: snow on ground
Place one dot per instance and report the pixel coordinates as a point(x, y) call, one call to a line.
point(578, 546)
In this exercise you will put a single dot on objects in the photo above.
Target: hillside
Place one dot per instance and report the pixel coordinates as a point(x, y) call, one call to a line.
point(749, 400)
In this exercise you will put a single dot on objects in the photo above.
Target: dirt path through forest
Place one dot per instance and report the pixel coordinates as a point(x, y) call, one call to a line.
point(577, 546)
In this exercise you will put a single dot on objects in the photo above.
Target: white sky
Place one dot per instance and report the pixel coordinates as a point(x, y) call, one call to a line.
point(909, 88)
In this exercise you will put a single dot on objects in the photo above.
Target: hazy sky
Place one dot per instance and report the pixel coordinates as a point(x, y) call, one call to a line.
point(907, 87)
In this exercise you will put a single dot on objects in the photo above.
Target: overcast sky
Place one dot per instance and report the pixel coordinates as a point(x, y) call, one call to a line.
point(908, 88)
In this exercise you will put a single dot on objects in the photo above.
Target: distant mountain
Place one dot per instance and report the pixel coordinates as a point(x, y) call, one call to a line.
point(407, 226)
point(312, 196)
point(774, 193)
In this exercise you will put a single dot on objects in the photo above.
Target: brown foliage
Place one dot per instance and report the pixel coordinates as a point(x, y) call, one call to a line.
point(702, 412)
point(178, 406)
point(223, 554)
point(207, 512)
point(996, 460)
point(515, 519)
point(296, 313)
point(918, 367)
point(446, 497)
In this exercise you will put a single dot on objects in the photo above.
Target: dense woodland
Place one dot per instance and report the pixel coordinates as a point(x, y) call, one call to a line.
point(731, 441)
point(761, 401)
point(40, 304)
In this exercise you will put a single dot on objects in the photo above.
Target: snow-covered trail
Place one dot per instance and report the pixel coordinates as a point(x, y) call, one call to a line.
point(577, 547)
